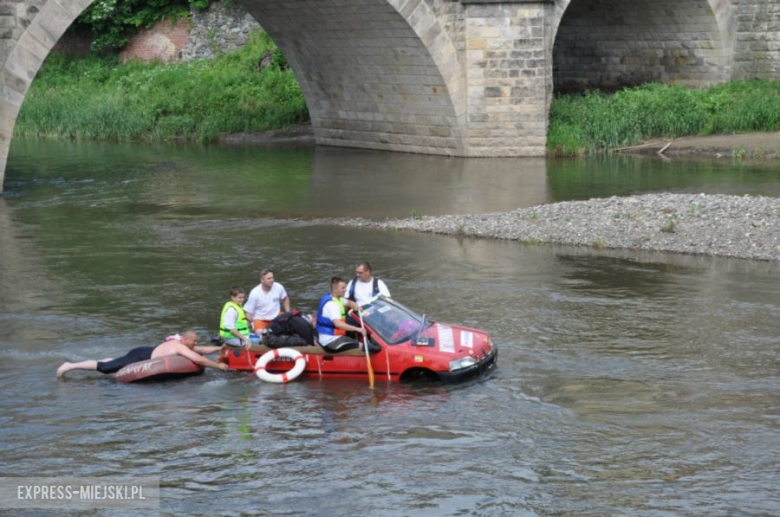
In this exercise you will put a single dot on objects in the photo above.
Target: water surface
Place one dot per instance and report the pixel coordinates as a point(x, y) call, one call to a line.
point(628, 384)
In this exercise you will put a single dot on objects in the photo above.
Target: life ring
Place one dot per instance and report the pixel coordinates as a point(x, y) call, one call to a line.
point(264, 375)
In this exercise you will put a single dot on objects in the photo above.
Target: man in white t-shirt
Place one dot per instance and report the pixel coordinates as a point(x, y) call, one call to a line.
point(365, 286)
point(265, 301)
point(331, 319)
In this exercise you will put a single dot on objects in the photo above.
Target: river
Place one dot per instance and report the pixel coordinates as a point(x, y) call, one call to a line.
point(627, 383)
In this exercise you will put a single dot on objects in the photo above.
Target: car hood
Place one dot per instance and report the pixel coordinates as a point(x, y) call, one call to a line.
point(457, 340)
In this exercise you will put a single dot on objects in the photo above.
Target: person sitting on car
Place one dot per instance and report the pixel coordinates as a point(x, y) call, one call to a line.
point(365, 286)
point(233, 324)
point(331, 319)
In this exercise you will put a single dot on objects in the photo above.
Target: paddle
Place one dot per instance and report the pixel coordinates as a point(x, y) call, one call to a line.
point(368, 358)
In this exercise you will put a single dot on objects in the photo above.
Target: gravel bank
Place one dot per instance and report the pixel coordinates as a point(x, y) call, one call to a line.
point(719, 225)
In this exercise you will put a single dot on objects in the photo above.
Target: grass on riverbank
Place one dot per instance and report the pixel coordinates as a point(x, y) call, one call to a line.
point(594, 122)
point(103, 99)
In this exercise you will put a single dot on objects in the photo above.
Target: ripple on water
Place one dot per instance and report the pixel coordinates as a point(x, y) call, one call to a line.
point(627, 383)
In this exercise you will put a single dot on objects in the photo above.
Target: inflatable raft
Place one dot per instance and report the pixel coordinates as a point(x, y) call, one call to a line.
point(159, 369)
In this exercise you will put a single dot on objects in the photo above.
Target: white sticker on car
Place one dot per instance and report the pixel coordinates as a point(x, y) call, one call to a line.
point(446, 339)
point(467, 338)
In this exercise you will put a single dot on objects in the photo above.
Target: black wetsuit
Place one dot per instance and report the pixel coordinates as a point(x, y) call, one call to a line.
point(142, 353)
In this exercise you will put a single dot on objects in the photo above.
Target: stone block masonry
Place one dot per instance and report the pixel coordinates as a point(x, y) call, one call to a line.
point(757, 52)
point(616, 43)
point(376, 74)
point(220, 28)
point(509, 82)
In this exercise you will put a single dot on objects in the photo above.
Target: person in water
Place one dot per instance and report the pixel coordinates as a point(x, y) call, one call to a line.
point(233, 323)
point(331, 319)
point(265, 301)
point(184, 346)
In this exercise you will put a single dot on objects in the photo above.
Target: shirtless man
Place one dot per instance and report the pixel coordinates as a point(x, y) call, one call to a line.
point(183, 346)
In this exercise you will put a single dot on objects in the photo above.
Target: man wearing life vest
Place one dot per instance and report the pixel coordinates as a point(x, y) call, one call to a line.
point(331, 319)
point(265, 301)
point(365, 286)
point(233, 325)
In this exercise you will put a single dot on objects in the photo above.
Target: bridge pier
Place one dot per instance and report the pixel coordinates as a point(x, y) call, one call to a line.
point(509, 78)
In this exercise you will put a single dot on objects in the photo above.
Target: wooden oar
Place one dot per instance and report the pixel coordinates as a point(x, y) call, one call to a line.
point(368, 357)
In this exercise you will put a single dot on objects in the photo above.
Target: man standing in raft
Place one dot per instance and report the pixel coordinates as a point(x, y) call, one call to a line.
point(184, 346)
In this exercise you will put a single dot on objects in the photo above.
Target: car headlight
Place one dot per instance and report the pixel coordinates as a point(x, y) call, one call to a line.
point(463, 362)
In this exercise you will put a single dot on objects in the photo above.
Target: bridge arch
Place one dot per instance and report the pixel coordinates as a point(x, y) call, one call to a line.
point(615, 43)
point(378, 74)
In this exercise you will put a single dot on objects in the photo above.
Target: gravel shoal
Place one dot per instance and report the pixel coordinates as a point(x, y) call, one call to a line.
point(745, 227)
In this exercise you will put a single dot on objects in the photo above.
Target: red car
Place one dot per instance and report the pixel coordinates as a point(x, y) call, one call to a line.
point(411, 348)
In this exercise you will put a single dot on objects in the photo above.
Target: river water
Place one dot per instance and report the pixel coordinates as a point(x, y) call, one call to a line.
point(627, 383)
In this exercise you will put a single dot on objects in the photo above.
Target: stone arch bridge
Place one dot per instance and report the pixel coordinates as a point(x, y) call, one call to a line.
point(453, 77)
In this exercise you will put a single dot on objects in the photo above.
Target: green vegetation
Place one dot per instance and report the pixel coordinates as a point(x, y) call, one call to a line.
point(740, 153)
point(110, 22)
point(599, 122)
point(100, 98)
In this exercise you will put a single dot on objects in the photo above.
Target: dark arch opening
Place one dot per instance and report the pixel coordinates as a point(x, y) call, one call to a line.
point(611, 44)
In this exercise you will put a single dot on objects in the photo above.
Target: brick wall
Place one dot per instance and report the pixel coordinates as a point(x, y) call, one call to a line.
point(162, 42)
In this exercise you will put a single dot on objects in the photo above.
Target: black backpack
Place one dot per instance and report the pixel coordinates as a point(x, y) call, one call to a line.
point(291, 324)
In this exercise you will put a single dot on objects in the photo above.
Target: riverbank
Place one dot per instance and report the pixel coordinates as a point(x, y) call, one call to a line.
point(746, 227)
point(749, 146)
point(298, 134)
point(596, 122)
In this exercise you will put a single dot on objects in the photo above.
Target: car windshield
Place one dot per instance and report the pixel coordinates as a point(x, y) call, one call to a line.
point(393, 322)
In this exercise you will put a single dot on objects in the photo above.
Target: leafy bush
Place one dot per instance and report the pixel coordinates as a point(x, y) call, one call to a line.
point(110, 22)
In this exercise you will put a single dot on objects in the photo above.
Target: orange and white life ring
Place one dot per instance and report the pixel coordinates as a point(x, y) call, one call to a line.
point(264, 375)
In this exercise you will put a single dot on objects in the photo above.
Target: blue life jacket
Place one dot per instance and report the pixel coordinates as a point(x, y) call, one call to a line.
point(325, 325)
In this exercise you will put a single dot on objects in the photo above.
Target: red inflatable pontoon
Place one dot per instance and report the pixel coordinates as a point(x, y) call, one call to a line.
point(159, 369)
